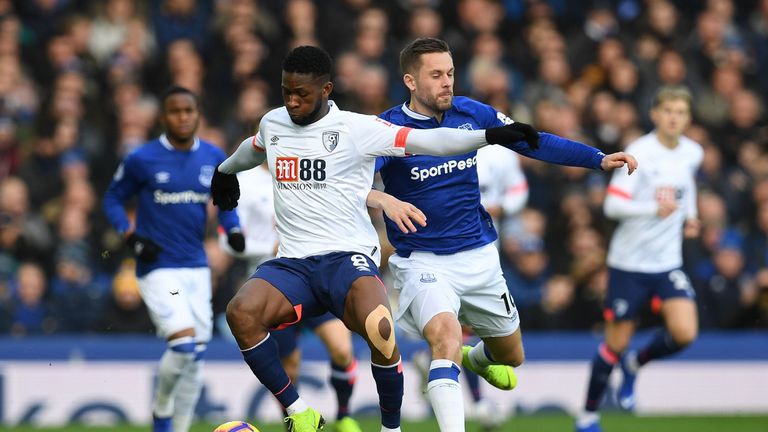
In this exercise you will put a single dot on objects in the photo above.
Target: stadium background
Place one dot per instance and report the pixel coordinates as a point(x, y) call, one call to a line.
point(78, 86)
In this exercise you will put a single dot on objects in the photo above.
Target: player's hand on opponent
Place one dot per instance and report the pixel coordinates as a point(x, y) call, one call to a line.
point(225, 190)
point(618, 160)
point(403, 214)
point(236, 240)
point(512, 133)
point(143, 249)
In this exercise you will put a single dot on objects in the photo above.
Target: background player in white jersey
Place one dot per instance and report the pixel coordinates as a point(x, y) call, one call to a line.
point(449, 273)
point(257, 216)
point(322, 162)
point(171, 178)
point(654, 209)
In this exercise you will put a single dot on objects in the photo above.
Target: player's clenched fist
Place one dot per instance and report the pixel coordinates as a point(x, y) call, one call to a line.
point(512, 133)
point(225, 190)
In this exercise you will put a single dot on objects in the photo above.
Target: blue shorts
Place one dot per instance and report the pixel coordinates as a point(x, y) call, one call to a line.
point(317, 284)
point(288, 338)
point(629, 292)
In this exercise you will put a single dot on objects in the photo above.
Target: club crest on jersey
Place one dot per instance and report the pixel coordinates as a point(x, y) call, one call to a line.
point(206, 174)
point(428, 278)
point(466, 126)
point(330, 140)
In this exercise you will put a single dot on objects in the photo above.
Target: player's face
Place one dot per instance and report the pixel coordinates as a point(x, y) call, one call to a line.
point(305, 97)
point(433, 83)
point(671, 117)
point(180, 116)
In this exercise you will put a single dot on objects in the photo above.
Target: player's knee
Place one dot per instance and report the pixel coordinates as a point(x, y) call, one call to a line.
point(380, 331)
point(445, 346)
point(685, 337)
point(242, 309)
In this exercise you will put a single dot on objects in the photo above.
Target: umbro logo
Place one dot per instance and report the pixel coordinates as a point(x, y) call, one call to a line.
point(274, 140)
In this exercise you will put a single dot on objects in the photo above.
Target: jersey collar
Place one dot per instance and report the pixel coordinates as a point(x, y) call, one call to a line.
point(167, 144)
point(413, 114)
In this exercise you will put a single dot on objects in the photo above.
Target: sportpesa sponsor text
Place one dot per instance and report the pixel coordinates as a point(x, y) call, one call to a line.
point(421, 174)
point(183, 197)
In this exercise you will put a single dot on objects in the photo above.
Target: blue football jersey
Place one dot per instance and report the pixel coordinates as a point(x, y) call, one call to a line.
point(172, 189)
point(444, 188)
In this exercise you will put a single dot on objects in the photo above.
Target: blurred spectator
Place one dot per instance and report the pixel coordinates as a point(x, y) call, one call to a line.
point(31, 311)
point(125, 311)
point(726, 298)
point(528, 273)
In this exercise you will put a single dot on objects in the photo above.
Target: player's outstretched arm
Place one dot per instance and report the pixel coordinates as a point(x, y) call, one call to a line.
point(400, 212)
point(449, 142)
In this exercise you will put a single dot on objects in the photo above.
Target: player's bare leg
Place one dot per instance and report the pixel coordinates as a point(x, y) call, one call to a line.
point(338, 341)
point(257, 307)
point(367, 313)
point(681, 329)
point(443, 334)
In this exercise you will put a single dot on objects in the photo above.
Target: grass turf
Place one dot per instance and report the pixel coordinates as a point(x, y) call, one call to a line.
point(537, 423)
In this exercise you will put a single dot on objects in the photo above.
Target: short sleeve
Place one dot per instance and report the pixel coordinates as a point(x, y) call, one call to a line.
point(376, 137)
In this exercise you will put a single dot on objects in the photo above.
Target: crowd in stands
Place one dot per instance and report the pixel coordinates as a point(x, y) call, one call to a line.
point(79, 82)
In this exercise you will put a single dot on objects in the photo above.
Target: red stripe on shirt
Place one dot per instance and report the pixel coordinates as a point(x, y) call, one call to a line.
point(518, 188)
point(255, 146)
point(401, 136)
point(613, 190)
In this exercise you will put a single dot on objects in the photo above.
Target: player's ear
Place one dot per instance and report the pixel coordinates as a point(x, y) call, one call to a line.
point(327, 88)
point(409, 81)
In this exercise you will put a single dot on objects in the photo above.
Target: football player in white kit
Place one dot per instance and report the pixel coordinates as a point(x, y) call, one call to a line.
point(257, 215)
point(322, 162)
point(655, 209)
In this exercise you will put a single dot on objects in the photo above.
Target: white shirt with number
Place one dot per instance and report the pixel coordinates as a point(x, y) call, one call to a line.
point(321, 176)
point(643, 241)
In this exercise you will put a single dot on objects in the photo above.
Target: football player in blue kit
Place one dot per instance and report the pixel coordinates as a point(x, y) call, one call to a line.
point(322, 161)
point(448, 273)
point(171, 178)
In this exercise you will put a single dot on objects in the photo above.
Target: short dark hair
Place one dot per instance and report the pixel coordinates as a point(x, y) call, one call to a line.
point(308, 59)
point(174, 90)
point(410, 56)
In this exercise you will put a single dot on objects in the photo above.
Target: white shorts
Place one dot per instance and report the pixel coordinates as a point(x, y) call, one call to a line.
point(178, 299)
point(468, 284)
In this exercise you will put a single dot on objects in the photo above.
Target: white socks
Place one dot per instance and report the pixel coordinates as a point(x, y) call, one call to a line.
point(444, 392)
point(187, 393)
point(478, 356)
point(297, 407)
point(172, 365)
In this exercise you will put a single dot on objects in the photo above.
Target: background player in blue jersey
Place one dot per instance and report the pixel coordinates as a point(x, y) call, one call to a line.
point(449, 272)
point(171, 178)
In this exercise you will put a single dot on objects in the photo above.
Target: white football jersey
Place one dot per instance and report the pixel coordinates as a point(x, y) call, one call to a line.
point(321, 175)
point(502, 181)
point(643, 241)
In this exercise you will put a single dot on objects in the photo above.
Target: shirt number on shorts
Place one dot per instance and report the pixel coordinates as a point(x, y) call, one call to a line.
point(681, 282)
point(360, 263)
point(508, 302)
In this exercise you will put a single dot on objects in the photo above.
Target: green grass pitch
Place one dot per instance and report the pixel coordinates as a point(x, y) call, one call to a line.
point(528, 423)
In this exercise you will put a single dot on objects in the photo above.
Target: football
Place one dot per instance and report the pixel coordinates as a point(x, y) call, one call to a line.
point(235, 426)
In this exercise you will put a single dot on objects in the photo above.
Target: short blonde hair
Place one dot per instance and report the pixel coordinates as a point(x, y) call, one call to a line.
point(673, 93)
